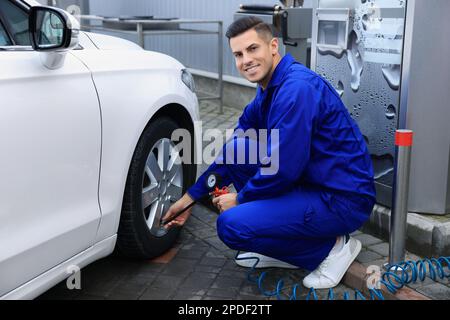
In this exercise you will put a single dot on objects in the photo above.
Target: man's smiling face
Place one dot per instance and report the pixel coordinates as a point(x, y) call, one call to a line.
point(254, 56)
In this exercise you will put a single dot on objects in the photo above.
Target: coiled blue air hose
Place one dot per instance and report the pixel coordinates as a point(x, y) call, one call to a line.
point(394, 279)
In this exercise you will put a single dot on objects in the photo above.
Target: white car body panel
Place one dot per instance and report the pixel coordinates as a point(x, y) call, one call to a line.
point(50, 129)
point(63, 205)
point(57, 274)
point(105, 42)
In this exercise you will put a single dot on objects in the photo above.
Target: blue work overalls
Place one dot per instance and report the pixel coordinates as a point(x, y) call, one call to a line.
point(324, 187)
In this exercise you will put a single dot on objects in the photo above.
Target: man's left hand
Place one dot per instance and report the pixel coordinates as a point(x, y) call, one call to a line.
point(225, 202)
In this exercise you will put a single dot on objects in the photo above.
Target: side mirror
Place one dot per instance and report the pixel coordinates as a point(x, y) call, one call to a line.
point(52, 29)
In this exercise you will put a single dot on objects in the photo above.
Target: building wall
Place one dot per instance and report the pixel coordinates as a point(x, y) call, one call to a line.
point(68, 5)
point(194, 51)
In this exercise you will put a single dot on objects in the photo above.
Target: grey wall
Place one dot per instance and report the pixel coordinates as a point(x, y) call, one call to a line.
point(195, 51)
point(67, 5)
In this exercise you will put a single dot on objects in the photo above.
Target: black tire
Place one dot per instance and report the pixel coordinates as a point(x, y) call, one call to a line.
point(134, 237)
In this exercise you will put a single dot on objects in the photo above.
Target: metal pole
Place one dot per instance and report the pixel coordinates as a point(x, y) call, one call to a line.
point(140, 32)
point(220, 66)
point(399, 212)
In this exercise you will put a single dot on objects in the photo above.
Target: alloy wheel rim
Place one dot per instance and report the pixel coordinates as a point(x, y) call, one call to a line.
point(162, 183)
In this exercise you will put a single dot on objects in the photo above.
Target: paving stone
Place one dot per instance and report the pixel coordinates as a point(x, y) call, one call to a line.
point(102, 287)
point(166, 257)
point(157, 293)
point(194, 224)
point(366, 256)
point(181, 296)
point(250, 297)
point(149, 269)
point(203, 213)
point(214, 253)
point(144, 271)
point(230, 254)
point(189, 294)
point(231, 124)
point(234, 274)
point(207, 113)
point(132, 284)
point(215, 298)
point(197, 245)
point(209, 269)
point(223, 292)
point(206, 233)
point(198, 280)
point(216, 243)
point(357, 232)
point(184, 235)
point(119, 295)
point(298, 273)
point(367, 239)
point(382, 249)
point(436, 291)
point(164, 281)
point(227, 282)
point(250, 288)
point(216, 262)
point(226, 126)
point(213, 124)
point(231, 265)
point(179, 267)
point(136, 278)
point(90, 297)
point(190, 254)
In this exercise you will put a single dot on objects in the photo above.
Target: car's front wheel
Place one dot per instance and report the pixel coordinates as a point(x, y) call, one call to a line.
point(155, 181)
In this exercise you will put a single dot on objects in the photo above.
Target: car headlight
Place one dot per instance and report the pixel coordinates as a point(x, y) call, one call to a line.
point(188, 79)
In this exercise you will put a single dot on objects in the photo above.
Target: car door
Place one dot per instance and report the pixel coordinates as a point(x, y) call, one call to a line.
point(50, 145)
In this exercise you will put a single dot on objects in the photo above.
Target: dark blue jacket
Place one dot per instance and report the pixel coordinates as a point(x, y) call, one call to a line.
point(319, 143)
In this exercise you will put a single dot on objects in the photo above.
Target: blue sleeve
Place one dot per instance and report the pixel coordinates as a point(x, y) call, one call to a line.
point(293, 113)
point(247, 120)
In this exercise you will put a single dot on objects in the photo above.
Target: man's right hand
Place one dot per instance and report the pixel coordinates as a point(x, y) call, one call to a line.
point(177, 207)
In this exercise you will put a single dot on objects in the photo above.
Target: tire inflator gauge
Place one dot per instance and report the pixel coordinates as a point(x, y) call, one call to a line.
point(212, 183)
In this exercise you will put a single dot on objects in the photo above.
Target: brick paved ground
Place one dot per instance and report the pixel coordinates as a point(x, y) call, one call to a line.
point(202, 267)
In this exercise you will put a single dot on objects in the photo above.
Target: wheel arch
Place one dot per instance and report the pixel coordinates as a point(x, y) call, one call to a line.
point(177, 113)
point(182, 117)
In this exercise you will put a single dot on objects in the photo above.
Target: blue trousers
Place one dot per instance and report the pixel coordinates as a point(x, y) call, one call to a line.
point(299, 227)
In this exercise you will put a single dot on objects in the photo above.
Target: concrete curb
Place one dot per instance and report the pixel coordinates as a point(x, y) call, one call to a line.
point(426, 235)
point(356, 278)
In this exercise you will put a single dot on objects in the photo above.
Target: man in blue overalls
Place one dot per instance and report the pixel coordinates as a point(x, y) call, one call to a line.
point(301, 215)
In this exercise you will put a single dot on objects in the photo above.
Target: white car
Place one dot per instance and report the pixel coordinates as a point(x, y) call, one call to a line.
point(87, 164)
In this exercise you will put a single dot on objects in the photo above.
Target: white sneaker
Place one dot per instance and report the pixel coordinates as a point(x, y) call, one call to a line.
point(249, 260)
point(331, 271)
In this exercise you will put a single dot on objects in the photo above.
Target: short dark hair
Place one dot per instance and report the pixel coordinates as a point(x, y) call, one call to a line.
point(247, 23)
